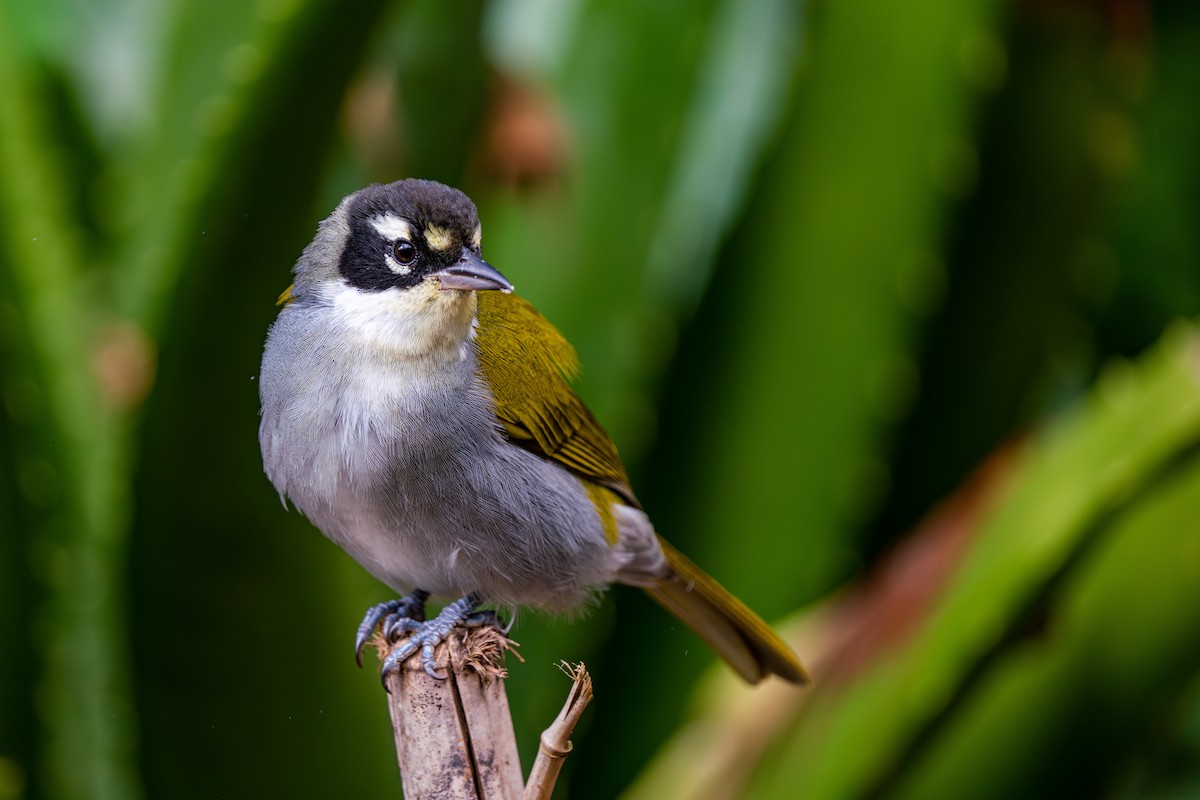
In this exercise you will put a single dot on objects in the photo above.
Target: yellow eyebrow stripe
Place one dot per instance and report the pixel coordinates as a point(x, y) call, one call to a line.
point(438, 238)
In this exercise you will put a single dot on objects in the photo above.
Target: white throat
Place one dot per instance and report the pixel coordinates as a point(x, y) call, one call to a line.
point(422, 322)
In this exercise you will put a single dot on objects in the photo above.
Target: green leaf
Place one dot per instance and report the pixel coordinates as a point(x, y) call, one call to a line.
point(1078, 471)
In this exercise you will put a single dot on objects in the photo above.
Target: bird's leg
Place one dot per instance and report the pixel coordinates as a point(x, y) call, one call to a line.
point(402, 615)
point(429, 635)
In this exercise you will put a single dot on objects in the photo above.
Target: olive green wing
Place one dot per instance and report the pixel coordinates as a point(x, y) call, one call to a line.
point(528, 366)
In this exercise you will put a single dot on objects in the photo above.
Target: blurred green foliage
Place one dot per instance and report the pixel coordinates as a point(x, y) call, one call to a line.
point(819, 261)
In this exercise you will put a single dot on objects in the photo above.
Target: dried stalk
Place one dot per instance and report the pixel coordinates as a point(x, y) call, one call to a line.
point(454, 737)
point(556, 740)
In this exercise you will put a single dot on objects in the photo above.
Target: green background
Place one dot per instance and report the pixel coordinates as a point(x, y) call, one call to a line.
point(821, 262)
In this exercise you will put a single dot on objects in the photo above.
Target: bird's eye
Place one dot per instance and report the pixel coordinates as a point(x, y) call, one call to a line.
point(405, 252)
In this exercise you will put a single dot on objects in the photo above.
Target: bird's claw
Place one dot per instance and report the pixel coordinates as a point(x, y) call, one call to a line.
point(398, 616)
point(481, 619)
point(397, 625)
point(426, 636)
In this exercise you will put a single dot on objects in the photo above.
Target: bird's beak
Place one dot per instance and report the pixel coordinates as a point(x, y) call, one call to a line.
point(471, 272)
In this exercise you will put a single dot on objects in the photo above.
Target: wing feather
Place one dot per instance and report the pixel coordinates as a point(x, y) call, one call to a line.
point(528, 366)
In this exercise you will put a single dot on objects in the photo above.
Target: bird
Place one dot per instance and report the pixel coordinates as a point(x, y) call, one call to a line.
point(421, 415)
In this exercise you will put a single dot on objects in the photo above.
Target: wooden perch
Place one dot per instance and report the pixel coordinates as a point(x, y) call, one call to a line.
point(454, 737)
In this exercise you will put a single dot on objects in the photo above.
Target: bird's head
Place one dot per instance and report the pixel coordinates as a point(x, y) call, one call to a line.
point(409, 232)
point(400, 255)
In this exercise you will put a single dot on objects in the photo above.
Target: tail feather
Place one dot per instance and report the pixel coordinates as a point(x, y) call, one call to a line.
point(736, 633)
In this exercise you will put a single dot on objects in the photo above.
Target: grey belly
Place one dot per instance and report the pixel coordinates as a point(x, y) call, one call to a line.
point(492, 519)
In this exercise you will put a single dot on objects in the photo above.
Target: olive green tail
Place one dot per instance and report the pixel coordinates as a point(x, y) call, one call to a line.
point(736, 633)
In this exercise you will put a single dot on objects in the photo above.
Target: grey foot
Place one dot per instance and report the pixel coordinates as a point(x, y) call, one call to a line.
point(398, 616)
point(428, 635)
